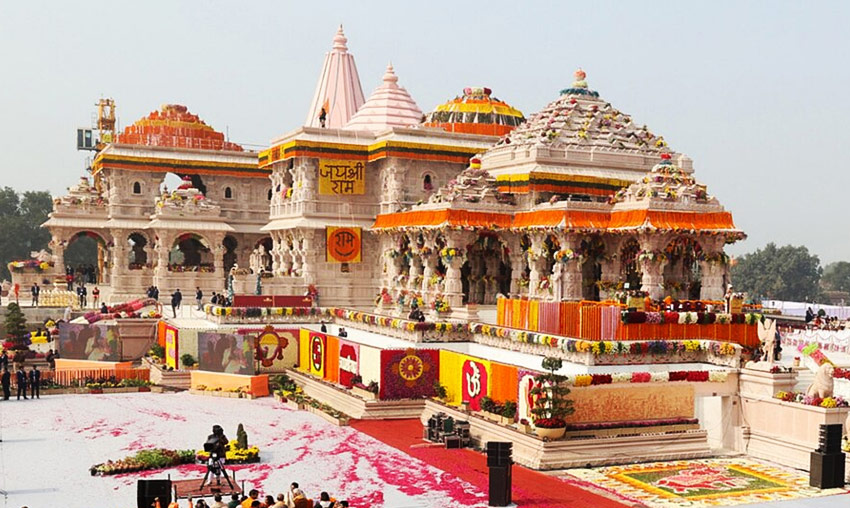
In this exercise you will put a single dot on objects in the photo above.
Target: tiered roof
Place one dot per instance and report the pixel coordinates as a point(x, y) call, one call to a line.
point(476, 112)
point(580, 118)
point(389, 106)
point(175, 127)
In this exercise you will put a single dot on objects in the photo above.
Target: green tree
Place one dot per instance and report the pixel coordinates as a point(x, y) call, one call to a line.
point(552, 405)
point(778, 273)
point(21, 217)
point(836, 276)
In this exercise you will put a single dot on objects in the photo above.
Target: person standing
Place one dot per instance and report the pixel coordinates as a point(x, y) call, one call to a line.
point(84, 295)
point(176, 298)
point(35, 290)
point(17, 290)
point(51, 359)
point(21, 378)
point(35, 382)
point(95, 294)
point(4, 360)
point(6, 381)
point(199, 296)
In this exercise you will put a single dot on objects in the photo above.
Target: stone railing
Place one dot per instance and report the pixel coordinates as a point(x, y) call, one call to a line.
point(412, 331)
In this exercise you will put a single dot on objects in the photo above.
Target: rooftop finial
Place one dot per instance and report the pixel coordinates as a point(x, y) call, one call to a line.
point(580, 75)
point(389, 75)
point(340, 40)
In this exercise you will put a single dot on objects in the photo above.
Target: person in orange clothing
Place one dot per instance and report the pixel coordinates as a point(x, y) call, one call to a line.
point(253, 495)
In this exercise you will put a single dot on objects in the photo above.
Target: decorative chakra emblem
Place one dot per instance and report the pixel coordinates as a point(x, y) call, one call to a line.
point(702, 478)
point(411, 367)
point(317, 352)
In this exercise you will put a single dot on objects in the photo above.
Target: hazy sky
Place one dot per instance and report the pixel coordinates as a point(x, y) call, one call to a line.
point(757, 93)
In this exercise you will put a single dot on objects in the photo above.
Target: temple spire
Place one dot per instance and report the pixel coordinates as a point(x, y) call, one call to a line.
point(389, 106)
point(338, 92)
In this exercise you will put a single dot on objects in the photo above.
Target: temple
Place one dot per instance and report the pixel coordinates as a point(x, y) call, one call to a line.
point(372, 201)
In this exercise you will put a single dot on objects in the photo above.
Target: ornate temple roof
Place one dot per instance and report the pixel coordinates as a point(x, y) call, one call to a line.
point(389, 106)
point(668, 183)
point(174, 126)
point(475, 112)
point(580, 118)
point(338, 91)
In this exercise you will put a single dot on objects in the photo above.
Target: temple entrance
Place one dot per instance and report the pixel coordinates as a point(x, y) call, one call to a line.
point(230, 244)
point(682, 274)
point(138, 258)
point(592, 250)
point(85, 257)
point(261, 257)
point(483, 274)
point(190, 253)
point(630, 272)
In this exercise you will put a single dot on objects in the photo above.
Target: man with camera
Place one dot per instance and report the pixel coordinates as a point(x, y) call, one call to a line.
point(216, 446)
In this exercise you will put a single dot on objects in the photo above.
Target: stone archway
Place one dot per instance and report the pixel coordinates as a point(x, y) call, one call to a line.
point(137, 256)
point(85, 257)
point(484, 272)
point(191, 252)
point(592, 251)
point(682, 273)
point(630, 269)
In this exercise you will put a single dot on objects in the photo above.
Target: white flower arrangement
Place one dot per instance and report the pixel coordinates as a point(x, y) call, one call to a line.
point(659, 377)
point(621, 377)
point(718, 376)
point(686, 318)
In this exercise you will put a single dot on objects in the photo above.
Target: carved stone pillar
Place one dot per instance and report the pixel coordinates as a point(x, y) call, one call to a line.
point(393, 189)
point(310, 246)
point(161, 248)
point(652, 266)
point(537, 263)
point(491, 288)
point(415, 273)
point(518, 261)
point(430, 261)
point(57, 247)
point(119, 255)
point(218, 259)
point(713, 268)
point(453, 289)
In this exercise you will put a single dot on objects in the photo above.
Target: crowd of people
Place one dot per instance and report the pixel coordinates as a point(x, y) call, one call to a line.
point(821, 321)
point(292, 498)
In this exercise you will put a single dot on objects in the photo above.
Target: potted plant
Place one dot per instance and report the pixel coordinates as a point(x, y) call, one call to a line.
point(440, 391)
point(508, 413)
point(187, 360)
point(524, 426)
point(551, 405)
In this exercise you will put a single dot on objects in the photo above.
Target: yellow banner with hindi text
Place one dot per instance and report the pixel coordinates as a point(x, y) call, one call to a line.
point(337, 178)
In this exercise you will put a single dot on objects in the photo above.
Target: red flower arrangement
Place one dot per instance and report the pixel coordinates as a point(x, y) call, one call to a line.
point(600, 379)
point(550, 423)
point(641, 377)
point(678, 375)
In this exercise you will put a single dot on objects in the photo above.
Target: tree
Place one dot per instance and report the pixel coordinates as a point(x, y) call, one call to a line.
point(551, 406)
point(16, 331)
point(21, 217)
point(778, 273)
point(836, 276)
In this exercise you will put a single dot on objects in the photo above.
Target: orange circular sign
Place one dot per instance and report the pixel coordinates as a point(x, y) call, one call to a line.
point(344, 245)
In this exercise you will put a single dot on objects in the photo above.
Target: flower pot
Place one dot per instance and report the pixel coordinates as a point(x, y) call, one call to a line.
point(144, 389)
point(550, 434)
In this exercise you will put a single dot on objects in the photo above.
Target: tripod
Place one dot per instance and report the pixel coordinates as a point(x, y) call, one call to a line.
point(215, 467)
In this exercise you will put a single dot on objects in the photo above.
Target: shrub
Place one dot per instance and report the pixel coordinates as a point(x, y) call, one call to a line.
point(187, 360)
point(158, 351)
point(509, 409)
point(551, 405)
point(487, 404)
point(440, 391)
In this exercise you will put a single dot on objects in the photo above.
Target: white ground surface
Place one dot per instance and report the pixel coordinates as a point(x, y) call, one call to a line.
point(49, 444)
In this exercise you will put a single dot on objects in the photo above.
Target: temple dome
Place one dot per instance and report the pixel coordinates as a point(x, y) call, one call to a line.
point(338, 92)
point(580, 118)
point(389, 106)
point(174, 126)
point(476, 112)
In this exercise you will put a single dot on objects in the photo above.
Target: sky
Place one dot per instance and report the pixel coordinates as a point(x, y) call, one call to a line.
point(755, 92)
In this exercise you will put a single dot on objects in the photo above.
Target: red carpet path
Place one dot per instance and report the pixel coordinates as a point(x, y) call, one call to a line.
point(530, 488)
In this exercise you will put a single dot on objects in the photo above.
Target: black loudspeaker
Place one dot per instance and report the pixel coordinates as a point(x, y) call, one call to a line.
point(829, 440)
point(500, 486)
point(499, 454)
point(149, 490)
point(826, 470)
point(499, 461)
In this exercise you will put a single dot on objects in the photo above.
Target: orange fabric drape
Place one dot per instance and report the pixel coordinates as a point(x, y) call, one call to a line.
point(332, 359)
point(503, 382)
point(442, 217)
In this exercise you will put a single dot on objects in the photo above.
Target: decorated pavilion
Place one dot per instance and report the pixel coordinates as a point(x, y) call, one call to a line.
point(578, 203)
